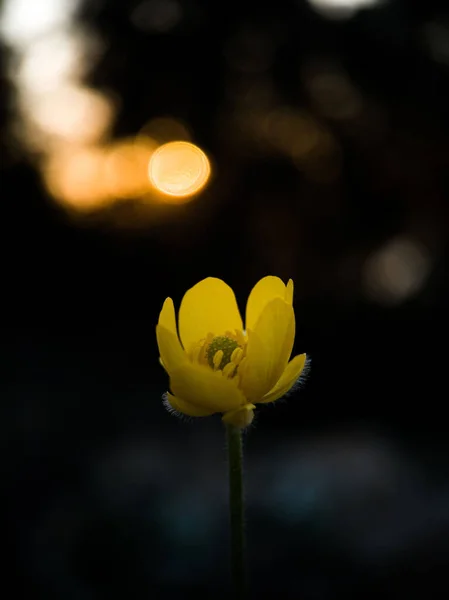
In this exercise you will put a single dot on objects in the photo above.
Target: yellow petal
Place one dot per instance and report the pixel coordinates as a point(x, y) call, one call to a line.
point(289, 292)
point(201, 386)
point(209, 306)
point(288, 378)
point(167, 316)
point(262, 293)
point(186, 408)
point(240, 417)
point(170, 349)
point(269, 348)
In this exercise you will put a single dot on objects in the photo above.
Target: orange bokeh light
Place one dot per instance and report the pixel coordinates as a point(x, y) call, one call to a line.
point(126, 167)
point(92, 177)
point(178, 170)
point(75, 178)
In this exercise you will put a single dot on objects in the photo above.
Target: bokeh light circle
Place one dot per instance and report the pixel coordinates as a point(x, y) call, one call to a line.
point(179, 169)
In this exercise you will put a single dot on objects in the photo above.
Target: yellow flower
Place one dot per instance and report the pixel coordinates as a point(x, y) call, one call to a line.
point(218, 366)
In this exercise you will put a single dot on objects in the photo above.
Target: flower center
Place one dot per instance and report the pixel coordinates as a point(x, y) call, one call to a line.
point(221, 351)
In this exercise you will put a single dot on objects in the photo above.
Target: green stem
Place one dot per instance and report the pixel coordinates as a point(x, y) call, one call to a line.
point(236, 506)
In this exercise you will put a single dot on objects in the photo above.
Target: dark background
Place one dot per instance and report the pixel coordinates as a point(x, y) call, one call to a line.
point(108, 495)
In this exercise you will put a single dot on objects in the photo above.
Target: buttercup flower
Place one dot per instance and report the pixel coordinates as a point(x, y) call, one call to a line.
point(218, 366)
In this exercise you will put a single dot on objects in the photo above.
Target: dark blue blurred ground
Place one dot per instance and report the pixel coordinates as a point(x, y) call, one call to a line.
point(114, 497)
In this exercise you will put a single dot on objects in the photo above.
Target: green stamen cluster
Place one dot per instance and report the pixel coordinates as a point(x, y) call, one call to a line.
point(227, 345)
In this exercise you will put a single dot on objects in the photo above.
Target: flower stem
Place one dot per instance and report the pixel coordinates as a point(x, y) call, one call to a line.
point(236, 506)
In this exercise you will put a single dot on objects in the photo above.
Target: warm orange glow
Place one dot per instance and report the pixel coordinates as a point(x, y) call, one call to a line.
point(71, 113)
point(179, 170)
point(126, 167)
point(92, 177)
point(75, 178)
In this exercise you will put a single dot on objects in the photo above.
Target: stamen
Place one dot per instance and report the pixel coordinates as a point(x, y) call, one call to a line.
point(240, 336)
point(237, 356)
point(202, 358)
point(218, 357)
point(229, 369)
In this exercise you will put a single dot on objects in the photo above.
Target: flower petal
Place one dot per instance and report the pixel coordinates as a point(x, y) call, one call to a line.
point(269, 348)
point(186, 408)
point(287, 380)
point(170, 349)
point(263, 292)
point(208, 307)
point(201, 386)
point(167, 316)
point(289, 292)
